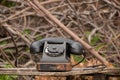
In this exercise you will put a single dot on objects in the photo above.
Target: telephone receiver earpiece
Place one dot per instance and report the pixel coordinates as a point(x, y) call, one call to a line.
point(73, 46)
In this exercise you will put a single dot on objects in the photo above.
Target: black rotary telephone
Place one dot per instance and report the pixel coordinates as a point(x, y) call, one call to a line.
point(55, 53)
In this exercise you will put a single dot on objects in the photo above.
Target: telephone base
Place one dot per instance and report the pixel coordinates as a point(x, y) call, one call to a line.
point(54, 67)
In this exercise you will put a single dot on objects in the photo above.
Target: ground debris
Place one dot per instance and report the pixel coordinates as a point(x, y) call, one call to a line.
point(95, 21)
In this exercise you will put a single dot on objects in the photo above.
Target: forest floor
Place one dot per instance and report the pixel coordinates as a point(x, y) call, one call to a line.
point(97, 22)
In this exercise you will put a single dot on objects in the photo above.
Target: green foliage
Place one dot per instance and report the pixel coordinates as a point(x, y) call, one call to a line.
point(99, 46)
point(27, 49)
point(7, 3)
point(26, 31)
point(3, 43)
point(96, 42)
point(8, 50)
point(39, 38)
point(7, 77)
point(95, 39)
point(78, 58)
point(7, 65)
point(87, 33)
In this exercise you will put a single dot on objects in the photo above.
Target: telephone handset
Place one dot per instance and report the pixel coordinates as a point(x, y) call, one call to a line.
point(74, 47)
point(55, 53)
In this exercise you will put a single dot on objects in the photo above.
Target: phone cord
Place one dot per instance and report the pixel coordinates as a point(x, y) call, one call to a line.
point(79, 61)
